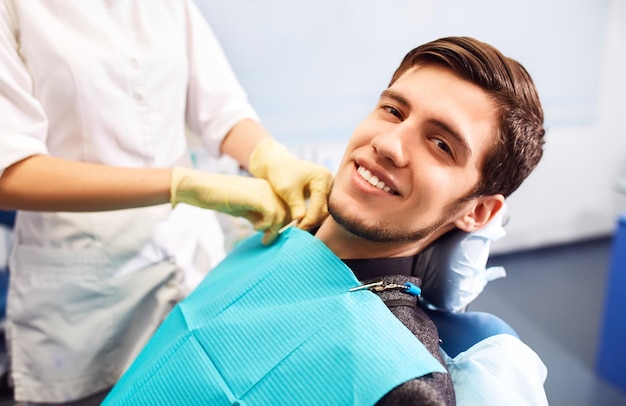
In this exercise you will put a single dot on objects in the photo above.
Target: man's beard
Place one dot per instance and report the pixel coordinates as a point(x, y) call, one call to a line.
point(382, 233)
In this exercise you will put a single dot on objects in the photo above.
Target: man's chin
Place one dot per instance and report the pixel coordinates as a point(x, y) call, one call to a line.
point(379, 232)
point(370, 231)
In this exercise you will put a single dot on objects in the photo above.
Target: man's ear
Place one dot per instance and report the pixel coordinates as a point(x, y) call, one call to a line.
point(479, 212)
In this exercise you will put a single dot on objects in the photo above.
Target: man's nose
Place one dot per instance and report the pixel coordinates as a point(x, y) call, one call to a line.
point(391, 144)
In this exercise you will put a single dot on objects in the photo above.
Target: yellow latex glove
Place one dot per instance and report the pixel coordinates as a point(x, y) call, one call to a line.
point(241, 196)
point(294, 180)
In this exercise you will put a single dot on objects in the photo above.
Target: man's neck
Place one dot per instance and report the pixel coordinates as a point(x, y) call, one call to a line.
point(349, 246)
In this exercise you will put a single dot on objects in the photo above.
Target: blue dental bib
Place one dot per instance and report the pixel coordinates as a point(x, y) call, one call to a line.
point(276, 325)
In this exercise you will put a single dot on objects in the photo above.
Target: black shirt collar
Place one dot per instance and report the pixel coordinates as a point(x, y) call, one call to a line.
point(366, 269)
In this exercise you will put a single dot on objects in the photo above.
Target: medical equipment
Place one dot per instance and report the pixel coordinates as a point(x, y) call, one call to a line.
point(380, 286)
point(292, 223)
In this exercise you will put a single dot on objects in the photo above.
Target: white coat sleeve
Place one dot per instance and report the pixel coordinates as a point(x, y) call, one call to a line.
point(215, 99)
point(500, 370)
point(23, 123)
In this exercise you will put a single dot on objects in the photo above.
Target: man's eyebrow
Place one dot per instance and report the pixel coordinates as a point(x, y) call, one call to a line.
point(398, 98)
point(461, 141)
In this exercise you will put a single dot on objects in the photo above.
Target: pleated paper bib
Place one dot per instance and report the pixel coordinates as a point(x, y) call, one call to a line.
point(276, 325)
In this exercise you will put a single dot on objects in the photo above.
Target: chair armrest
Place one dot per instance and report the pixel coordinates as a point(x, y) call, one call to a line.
point(460, 331)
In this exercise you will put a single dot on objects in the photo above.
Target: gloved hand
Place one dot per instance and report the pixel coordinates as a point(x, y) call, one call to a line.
point(253, 199)
point(294, 180)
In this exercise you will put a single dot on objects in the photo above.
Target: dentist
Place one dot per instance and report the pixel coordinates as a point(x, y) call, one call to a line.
point(96, 97)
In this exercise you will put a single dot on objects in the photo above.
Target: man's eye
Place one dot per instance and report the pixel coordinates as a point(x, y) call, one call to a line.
point(442, 145)
point(393, 111)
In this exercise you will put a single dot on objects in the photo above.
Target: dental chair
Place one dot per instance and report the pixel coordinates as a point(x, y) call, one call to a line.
point(7, 218)
point(454, 272)
point(7, 221)
point(460, 331)
point(488, 361)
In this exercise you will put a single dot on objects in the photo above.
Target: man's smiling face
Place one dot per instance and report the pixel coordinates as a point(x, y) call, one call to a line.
point(411, 162)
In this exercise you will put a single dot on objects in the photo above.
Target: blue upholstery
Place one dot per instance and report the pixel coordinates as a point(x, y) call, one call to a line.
point(460, 331)
point(7, 218)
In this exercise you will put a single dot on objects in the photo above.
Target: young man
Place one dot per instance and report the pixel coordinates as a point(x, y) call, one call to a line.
point(457, 130)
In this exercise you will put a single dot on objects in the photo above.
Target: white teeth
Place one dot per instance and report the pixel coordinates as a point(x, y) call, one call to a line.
point(373, 180)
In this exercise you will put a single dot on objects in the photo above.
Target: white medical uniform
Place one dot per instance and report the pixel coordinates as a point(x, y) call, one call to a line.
point(112, 82)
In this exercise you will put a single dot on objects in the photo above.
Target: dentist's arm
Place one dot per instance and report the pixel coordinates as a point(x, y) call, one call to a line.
point(43, 183)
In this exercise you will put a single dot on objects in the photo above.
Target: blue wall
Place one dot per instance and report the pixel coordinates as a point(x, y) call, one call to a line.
point(314, 69)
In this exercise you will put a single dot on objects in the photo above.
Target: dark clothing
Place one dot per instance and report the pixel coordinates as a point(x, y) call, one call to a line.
point(366, 269)
point(433, 389)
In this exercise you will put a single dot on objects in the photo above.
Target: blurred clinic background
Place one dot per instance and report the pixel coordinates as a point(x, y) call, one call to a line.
point(314, 69)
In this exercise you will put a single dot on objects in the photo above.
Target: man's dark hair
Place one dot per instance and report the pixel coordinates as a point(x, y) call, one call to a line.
point(518, 146)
